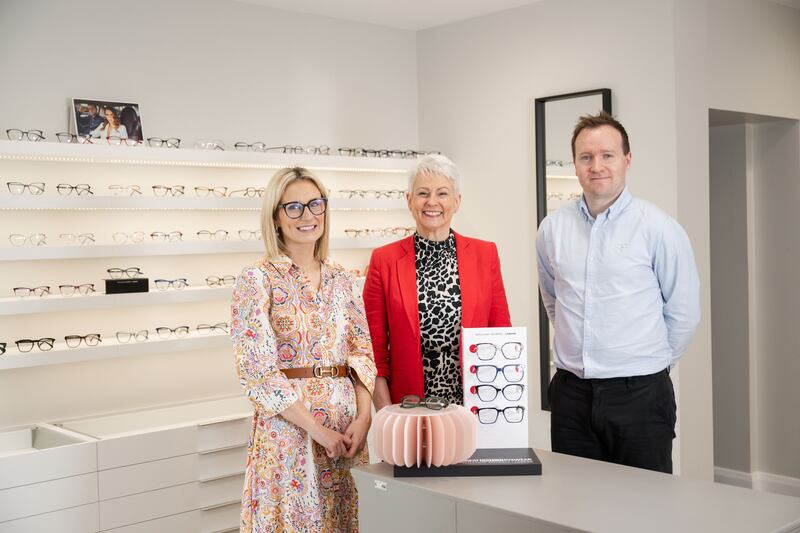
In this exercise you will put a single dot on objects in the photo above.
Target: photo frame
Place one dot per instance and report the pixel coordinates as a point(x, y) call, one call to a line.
point(106, 120)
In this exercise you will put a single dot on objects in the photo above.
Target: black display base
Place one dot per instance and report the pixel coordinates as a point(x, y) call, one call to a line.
point(126, 285)
point(484, 462)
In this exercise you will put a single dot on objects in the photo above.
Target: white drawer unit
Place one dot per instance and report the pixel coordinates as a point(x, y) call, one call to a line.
point(223, 518)
point(143, 477)
point(190, 522)
point(221, 491)
point(80, 519)
point(148, 505)
point(32, 454)
point(47, 496)
point(221, 463)
point(218, 435)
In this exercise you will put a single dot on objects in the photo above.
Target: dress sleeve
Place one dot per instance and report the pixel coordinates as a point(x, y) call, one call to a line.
point(254, 345)
point(359, 344)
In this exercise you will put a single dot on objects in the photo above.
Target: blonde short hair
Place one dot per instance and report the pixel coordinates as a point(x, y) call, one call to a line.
point(273, 240)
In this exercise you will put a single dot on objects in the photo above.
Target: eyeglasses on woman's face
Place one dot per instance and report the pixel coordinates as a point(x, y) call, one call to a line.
point(294, 210)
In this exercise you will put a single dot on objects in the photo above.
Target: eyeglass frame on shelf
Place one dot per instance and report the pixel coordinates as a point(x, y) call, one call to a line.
point(434, 403)
point(39, 187)
point(37, 343)
point(477, 349)
point(164, 284)
point(87, 339)
point(478, 410)
point(499, 370)
point(221, 281)
point(130, 272)
point(158, 142)
point(29, 238)
point(475, 389)
point(25, 292)
point(26, 134)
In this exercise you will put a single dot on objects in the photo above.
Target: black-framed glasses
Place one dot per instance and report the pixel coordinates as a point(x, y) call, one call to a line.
point(118, 273)
point(219, 192)
point(247, 192)
point(208, 329)
point(208, 235)
point(165, 332)
point(126, 336)
point(69, 290)
point(116, 140)
point(163, 190)
point(295, 210)
point(158, 142)
point(31, 135)
point(488, 373)
point(66, 189)
point(121, 237)
point(487, 350)
point(249, 234)
point(26, 345)
point(172, 236)
point(164, 284)
point(487, 393)
point(24, 292)
point(488, 415)
point(66, 137)
point(36, 239)
point(124, 190)
point(432, 402)
point(92, 339)
point(80, 238)
point(220, 281)
point(17, 188)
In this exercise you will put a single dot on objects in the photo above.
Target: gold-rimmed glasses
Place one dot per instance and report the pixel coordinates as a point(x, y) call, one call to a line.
point(80, 238)
point(124, 190)
point(121, 237)
point(248, 192)
point(208, 235)
point(220, 281)
point(219, 192)
point(172, 236)
point(65, 189)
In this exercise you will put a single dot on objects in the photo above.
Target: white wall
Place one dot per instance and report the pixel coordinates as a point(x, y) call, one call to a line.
point(199, 69)
point(478, 81)
point(210, 69)
point(729, 296)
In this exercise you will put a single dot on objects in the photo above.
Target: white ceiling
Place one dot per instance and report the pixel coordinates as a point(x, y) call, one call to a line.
point(409, 14)
point(401, 14)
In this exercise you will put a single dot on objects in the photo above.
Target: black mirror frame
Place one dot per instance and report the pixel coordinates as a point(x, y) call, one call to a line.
point(541, 212)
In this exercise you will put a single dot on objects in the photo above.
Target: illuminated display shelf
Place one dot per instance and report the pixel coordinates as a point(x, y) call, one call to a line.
point(56, 302)
point(51, 202)
point(144, 155)
point(110, 348)
point(38, 253)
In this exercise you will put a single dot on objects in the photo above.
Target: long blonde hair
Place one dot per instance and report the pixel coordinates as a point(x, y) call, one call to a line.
point(273, 240)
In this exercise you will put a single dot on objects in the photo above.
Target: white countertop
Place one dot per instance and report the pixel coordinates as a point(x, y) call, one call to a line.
point(594, 496)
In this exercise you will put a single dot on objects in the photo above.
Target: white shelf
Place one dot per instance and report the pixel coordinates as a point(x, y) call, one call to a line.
point(52, 203)
point(37, 253)
point(144, 155)
point(108, 349)
point(57, 302)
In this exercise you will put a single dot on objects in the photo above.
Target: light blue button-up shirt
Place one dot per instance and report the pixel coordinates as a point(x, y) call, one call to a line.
point(621, 290)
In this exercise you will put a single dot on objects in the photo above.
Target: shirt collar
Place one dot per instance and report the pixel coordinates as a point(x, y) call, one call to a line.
point(613, 210)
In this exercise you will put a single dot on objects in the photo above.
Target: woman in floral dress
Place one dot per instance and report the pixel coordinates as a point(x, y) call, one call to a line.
point(304, 358)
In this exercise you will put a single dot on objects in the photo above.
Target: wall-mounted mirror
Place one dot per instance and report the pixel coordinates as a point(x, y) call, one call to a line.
point(556, 183)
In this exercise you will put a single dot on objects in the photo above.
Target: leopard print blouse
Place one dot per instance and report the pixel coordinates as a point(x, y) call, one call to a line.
point(439, 294)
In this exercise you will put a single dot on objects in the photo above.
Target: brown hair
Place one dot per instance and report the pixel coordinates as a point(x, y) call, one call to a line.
point(273, 240)
point(603, 118)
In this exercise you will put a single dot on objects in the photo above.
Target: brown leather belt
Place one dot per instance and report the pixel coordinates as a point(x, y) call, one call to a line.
point(341, 371)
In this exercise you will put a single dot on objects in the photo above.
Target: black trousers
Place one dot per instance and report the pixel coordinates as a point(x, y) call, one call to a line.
point(629, 421)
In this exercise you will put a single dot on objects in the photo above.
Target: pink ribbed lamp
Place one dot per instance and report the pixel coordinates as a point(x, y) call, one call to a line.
point(413, 437)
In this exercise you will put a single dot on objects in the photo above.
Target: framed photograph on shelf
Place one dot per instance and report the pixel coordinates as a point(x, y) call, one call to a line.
point(107, 120)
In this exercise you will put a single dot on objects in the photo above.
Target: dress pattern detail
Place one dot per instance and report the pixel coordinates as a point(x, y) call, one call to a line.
point(439, 294)
point(279, 321)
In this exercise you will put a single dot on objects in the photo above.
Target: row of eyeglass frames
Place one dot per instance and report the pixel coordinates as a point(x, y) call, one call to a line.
point(136, 237)
point(65, 189)
point(174, 142)
point(94, 339)
point(88, 288)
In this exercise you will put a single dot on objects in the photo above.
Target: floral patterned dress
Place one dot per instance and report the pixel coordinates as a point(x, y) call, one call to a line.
point(279, 321)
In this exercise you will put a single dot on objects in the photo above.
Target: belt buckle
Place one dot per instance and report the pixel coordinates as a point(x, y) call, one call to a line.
point(325, 372)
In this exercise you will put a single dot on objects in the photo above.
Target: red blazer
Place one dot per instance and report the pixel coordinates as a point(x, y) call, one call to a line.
point(391, 303)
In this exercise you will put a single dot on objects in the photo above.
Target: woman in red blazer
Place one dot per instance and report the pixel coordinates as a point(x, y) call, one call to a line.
point(421, 290)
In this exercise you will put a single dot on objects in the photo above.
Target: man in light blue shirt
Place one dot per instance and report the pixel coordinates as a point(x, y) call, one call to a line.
point(620, 285)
